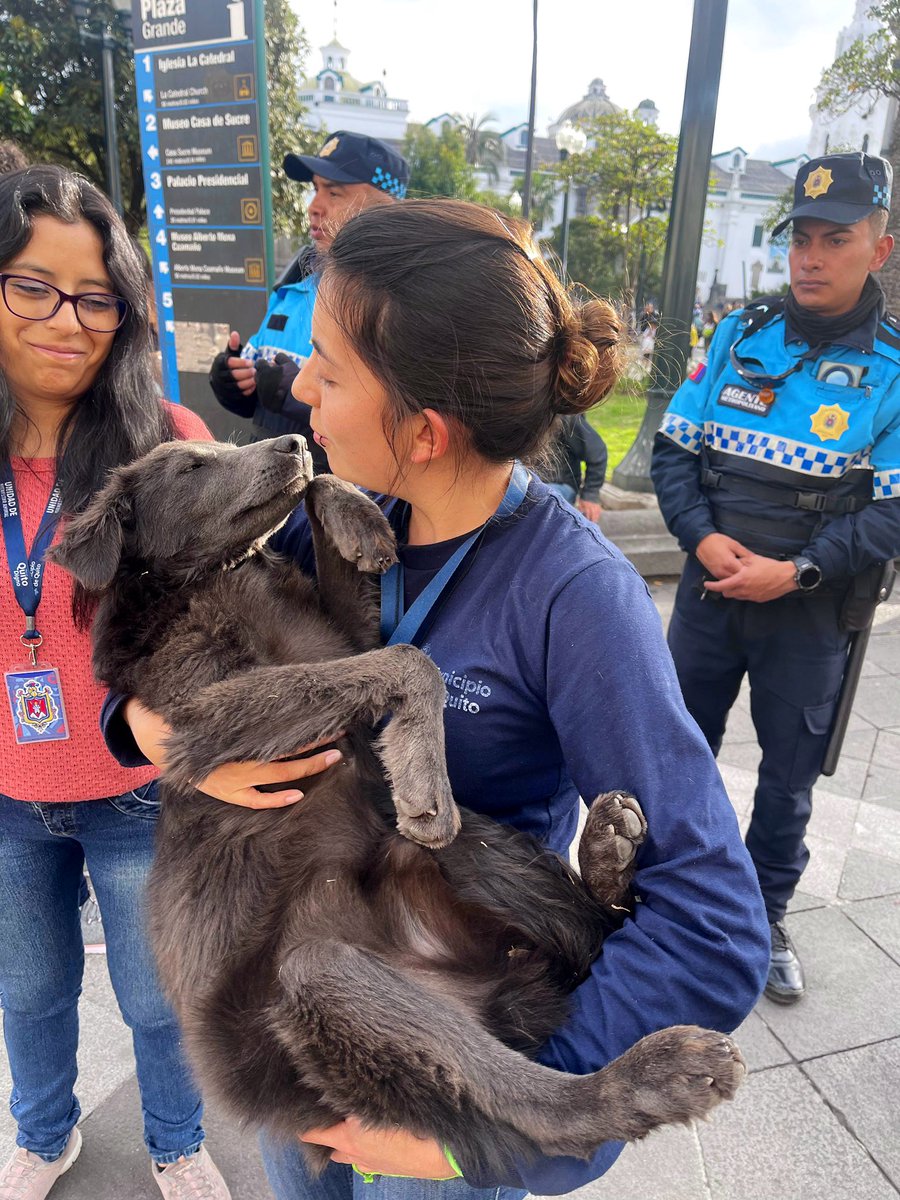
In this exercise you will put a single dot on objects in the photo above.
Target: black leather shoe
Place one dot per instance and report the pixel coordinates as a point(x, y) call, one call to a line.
point(785, 984)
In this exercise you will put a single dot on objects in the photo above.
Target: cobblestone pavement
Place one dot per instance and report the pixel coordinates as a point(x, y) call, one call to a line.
point(818, 1116)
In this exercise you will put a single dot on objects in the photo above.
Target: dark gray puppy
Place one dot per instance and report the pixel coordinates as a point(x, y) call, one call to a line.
point(361, 951)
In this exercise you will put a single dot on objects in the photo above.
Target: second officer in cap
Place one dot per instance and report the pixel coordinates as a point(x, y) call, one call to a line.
point(350, 172)
point(777, 467)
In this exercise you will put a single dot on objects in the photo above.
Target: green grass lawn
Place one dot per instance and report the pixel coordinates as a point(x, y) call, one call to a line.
point(618, 419)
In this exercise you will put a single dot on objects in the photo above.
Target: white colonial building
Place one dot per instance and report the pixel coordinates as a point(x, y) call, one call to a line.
point(334, 99)
point(737, 255)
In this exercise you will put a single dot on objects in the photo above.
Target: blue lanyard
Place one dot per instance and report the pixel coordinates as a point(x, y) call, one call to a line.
point(26, 568)
point(397, 626)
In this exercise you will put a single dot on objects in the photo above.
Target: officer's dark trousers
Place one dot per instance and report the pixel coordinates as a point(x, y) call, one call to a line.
point(794, 654)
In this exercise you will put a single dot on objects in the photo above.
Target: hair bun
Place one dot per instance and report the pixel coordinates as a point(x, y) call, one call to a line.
point(589, 357)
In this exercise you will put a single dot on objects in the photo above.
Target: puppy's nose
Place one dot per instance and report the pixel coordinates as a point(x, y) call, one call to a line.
point(289, 443)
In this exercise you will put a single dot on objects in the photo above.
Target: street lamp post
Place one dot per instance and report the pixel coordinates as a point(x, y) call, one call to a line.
point(569, 140)
point(529, 152)
point(108, 46)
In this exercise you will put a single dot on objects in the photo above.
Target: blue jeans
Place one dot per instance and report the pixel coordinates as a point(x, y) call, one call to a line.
point(565, 490)
point(290, 1180)
point(43, 850)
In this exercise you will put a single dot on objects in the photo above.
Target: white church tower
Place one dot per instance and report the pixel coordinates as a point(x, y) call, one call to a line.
point(335, 99)
point(868, 123)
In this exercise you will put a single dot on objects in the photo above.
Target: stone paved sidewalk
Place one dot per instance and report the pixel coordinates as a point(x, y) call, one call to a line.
point(818, 1117)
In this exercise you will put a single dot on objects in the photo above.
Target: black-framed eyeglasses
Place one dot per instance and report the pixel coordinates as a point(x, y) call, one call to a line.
point(37, 300)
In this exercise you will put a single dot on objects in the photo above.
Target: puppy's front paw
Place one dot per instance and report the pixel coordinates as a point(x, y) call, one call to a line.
point(360, 533)
point(353, 523)
point(433, 828)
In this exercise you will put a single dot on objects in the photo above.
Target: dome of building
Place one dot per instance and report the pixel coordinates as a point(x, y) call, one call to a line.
point(647, 112)
point(595, 103)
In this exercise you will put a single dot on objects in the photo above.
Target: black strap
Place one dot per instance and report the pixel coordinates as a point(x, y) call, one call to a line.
point(819, 502)
point(760, 313)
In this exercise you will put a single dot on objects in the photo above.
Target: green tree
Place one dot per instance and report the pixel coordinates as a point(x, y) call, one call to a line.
point(594, 260)
point(868, 69)
point(504, 204)
point(545, 187)
point(544, 190)
point(484, 148)
point(626, 178)
point(286, 51)
point(45, 60)
point(51, 96)
point(437, 163)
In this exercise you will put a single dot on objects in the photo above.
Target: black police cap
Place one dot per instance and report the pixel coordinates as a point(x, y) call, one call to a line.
point(353, 158)
point(843, 188)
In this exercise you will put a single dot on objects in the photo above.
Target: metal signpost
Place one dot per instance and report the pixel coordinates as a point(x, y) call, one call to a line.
point(201, 92)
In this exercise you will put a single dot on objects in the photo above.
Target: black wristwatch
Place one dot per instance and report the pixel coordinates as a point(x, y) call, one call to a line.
point(807, 575)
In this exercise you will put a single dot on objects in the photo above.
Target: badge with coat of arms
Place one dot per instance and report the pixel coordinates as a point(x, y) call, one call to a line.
point(818, 183)
point(37, 706)
point(829, 422)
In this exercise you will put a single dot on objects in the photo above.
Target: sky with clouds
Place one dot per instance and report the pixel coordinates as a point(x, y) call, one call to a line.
point(474, 56)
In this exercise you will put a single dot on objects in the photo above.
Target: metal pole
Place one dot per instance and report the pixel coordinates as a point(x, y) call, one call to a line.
point(565, 235)
point(529, 154)
point(108, 80)
point(672, 348)
point(259, 32)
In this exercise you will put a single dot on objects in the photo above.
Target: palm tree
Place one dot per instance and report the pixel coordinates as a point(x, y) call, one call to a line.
point(545, 187)
point(484, 149)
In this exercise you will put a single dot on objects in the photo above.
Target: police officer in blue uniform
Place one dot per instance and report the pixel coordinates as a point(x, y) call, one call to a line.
point(777, 467)
point(350, 172)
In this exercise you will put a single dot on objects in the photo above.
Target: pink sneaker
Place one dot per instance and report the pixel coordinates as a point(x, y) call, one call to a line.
point(194, 1178)
point(28, 1177)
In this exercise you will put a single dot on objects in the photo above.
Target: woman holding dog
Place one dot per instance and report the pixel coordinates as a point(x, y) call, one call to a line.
point(444, 352)
point(77, 397)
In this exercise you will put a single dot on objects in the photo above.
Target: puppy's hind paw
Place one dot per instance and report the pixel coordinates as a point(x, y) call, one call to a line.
point(614, 830)
point(674, 1076)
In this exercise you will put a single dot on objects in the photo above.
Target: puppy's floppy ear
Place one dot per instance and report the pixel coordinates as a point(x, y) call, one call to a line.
point(91, 545)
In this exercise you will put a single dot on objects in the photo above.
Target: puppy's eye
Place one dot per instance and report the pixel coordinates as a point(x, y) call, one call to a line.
point(191, 466)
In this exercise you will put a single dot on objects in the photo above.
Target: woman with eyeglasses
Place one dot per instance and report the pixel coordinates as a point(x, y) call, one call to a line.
point(77, 397)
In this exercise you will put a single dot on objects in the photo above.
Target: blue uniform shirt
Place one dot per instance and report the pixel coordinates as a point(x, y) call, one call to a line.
point(837, 416)
point(287, 325)
point(286, 329)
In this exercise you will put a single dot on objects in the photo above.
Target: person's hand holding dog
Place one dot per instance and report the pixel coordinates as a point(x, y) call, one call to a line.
point(382, 1151)
point(234, 783)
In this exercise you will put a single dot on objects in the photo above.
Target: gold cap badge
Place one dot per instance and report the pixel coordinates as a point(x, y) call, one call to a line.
point(830, 422)
point(818, 183)
point(332, 145)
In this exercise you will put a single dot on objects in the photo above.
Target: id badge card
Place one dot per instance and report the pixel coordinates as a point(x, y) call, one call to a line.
point(36, 703)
